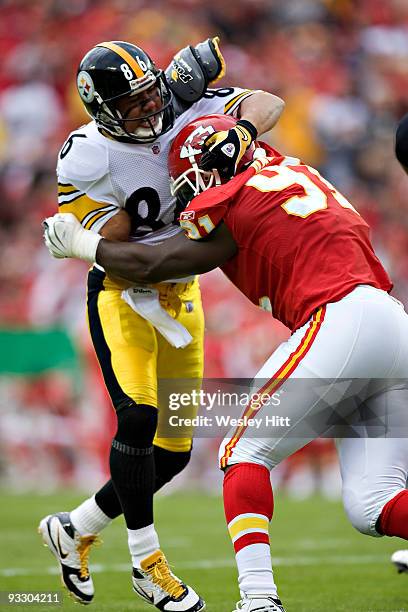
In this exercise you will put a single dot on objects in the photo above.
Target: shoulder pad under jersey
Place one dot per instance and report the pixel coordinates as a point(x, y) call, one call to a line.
point(82, 158)
point(193, 69)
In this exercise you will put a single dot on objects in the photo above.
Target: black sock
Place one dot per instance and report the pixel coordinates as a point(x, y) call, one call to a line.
point(133, 478)
point(132, 463)
point(108, 501)
point(168, 464)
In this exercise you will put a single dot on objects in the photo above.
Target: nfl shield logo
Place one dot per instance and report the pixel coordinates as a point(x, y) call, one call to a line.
point(156, 148)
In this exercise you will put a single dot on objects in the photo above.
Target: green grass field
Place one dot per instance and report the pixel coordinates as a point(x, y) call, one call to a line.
point(321, 563)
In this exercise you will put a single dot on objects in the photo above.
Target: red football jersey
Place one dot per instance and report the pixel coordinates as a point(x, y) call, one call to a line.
point(301, 244)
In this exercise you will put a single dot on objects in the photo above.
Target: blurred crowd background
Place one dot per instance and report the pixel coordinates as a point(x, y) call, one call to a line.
point(342, 68)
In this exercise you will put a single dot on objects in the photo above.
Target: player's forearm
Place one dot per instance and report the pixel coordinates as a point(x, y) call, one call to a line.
point(263, 110)
point(139, 263)
point(132, 262)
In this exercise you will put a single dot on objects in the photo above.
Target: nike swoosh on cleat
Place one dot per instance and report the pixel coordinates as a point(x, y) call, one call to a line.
point(143, 593)
point(262, 608)
point(63, 555)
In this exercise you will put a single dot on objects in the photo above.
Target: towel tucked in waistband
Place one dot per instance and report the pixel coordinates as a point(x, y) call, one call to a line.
point(145, 301)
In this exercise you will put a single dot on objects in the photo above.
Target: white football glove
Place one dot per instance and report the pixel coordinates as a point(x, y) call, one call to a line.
point(64, 236)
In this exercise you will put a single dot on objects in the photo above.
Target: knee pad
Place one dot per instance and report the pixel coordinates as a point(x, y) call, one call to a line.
point(137, 425)
point(361, 512)
point(168, 464)
point(359, 520)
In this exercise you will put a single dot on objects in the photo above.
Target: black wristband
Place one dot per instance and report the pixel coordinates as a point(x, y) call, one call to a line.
point(250, 127)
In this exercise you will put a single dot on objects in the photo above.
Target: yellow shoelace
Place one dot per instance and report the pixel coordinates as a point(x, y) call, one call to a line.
point(83, 549)
point(162, 576)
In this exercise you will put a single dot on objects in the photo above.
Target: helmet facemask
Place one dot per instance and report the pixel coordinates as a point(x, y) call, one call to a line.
point(114, 70)
point(187, 179)
point(192, 182)
point(159, 121)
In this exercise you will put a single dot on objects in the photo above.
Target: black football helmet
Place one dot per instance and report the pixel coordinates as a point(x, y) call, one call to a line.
point(116, 69)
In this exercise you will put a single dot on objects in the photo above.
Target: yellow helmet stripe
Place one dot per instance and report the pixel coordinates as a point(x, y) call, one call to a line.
point(124, 55)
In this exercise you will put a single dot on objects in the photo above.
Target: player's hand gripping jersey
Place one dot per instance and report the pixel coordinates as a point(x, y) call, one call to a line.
point(301, 244)
point(98, 176)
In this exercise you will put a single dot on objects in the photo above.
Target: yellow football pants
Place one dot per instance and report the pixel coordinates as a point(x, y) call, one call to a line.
point(137, 361)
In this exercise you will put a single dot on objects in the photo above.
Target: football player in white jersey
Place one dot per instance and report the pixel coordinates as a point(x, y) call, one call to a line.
point(112, 175)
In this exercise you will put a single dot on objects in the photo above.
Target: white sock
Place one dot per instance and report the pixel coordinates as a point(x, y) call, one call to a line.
point(255, 575)
point(88, 518)
point(142, 543)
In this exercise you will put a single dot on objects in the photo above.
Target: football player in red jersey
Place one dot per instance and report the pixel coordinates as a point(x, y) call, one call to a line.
point(400, 557)
point(295, 246)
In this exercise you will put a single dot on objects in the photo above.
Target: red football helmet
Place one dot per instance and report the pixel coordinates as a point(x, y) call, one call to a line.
point(186, 178)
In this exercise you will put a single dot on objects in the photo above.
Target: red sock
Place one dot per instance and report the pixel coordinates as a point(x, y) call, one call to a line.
point(393, 519)
point(248, 504)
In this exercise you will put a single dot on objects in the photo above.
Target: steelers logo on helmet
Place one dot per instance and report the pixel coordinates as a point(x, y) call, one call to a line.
point(86, 86)
point(110, 77)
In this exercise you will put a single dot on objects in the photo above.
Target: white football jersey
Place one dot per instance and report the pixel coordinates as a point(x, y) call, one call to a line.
point(98, 176)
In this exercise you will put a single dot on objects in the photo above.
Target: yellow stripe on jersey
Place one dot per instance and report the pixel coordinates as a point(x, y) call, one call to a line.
point(66, 188)
point(125, 56)
point(86, 210)
point(252, 522)
point(234, 102)
point(91, 222)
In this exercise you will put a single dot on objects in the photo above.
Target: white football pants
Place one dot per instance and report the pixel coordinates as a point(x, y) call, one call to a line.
point(344, 373)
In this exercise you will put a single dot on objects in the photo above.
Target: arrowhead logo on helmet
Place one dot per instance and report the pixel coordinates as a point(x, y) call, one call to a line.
point(194, 142)
point(187, 179)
